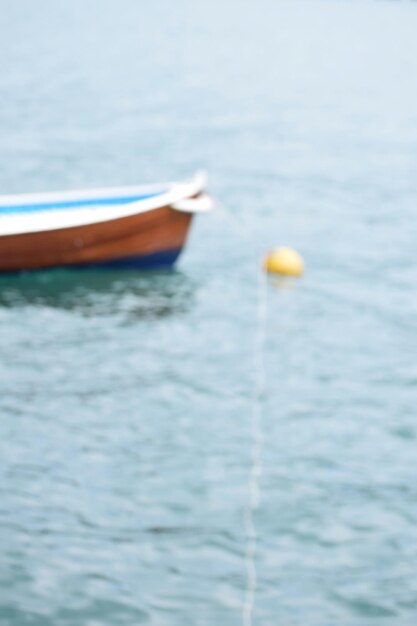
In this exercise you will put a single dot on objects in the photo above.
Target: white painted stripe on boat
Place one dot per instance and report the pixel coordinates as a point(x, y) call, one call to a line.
point(39, 221)
point(82, 194)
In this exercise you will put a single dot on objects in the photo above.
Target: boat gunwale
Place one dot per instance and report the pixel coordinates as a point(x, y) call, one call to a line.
point(20, 223)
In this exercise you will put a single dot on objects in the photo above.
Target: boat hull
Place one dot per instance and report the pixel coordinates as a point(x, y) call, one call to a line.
point(147, 240)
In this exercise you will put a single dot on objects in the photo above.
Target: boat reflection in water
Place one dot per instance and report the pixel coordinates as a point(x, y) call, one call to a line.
point(128, 295)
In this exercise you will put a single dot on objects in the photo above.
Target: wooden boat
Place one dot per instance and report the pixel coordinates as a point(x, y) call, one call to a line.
point(134, 227)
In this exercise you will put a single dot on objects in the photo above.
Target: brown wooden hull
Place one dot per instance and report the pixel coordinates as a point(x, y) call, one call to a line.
point(154, 237)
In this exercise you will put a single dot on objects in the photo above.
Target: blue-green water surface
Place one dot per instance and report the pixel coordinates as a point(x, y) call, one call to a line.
point(127, 399)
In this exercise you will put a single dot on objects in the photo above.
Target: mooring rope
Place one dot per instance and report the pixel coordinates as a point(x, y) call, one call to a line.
point(257, 436)
point(256, 430)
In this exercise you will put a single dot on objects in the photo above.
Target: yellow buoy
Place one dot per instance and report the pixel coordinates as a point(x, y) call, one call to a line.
point(284, 261)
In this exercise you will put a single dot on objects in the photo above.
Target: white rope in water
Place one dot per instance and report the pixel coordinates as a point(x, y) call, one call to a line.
point(256, 428)
point(254, 486)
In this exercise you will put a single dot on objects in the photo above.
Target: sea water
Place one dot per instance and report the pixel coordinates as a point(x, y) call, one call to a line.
point(127, 399)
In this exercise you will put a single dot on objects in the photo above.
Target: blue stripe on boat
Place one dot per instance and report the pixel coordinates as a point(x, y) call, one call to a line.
point(72, 204)
point(157, 260)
